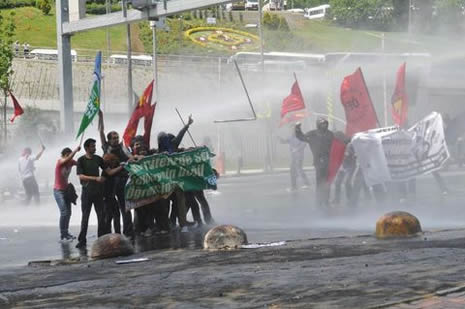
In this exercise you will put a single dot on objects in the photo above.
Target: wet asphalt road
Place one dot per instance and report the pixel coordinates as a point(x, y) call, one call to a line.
point(259, 204)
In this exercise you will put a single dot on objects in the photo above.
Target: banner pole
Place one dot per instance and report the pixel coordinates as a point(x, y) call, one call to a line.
point(180, 117)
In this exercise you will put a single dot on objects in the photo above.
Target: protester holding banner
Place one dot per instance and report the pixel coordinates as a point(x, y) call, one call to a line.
point(169, 143)
point(320, 141)
point(144, 216)
point(88, 170)
point(112, 145)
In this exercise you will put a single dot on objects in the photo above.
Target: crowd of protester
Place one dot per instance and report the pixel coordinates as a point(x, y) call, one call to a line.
point(103, 179)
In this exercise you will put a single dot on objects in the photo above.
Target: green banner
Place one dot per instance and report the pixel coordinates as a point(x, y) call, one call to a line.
point(157, 176)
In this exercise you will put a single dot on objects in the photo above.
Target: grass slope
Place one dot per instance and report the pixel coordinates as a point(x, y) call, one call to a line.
point(38, 30)
point(308, 36)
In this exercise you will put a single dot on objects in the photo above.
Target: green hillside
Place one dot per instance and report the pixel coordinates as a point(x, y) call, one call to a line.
point(307, 36)
point(33, 27)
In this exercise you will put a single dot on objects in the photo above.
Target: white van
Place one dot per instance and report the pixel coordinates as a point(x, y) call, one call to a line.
point(317, 12)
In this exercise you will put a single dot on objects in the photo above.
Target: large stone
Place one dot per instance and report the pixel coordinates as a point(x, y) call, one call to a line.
point(224, 237)
point(397, 224)
point(111, 245)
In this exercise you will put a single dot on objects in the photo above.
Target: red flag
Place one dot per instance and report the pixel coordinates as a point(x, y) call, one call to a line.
point(360, 113)
point(294, 101)
point(399, 98)
point(148, 124)
point(143, 109)
point(293, 117)
point(336, 156)
point(18, 109)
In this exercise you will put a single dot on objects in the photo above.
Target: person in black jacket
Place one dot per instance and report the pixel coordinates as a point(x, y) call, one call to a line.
point(320, 141)
point(169, 143)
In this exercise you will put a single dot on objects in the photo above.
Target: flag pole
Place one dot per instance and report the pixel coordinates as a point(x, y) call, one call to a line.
point(82, 138)
point(180, 117)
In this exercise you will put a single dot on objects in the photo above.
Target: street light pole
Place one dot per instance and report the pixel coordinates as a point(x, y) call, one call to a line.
point(409, 17)
point(384, 82)
point(129, 57)
point(154, 61)
point(260, 33)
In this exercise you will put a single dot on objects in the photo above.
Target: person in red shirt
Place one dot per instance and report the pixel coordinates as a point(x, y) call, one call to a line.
point(62, 171)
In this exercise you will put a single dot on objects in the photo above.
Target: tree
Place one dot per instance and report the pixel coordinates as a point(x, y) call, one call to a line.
point(7, 31)
point(362, 13)
point(44, 6)
point(400, 14)
point(449, 15)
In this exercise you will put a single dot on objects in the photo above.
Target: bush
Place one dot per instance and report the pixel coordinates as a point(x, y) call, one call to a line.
point(9, 4)
point(375, 14)
point(275, 22)
point(44, 6)
point(100, 9)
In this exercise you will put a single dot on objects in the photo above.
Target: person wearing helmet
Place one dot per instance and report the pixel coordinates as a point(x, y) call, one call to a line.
point(320, 141)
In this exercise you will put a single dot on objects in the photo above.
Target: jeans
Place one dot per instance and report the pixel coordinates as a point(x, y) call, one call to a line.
point(297, 170)
point(87, 199)
point(200, 196)
point(322, 187)
point(31, 189)
point(65, 211)
point(191, 203)
point(120, 183)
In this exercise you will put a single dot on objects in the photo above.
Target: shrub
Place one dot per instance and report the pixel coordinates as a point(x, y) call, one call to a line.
point(100, 9)
point(9, 4)
point(44, 6)
point(275, 22)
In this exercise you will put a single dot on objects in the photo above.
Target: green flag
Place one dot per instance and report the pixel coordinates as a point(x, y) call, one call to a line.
point(93, 105)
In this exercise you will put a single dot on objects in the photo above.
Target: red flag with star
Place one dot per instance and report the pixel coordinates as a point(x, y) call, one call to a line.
point(143, 109)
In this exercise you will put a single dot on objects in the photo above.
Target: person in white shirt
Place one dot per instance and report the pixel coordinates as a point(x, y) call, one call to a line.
point(26, 171)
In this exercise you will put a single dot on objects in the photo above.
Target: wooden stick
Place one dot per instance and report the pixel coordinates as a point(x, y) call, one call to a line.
point(180, 117)
point(82, 138)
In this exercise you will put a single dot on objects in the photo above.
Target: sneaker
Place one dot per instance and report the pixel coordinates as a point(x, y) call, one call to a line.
point(148, 233)
point(305, 187)
point(190, 223)
point(81, 245)
point(184, 229)
point(291, 190)
point(67, 238)
point(71, 236)
point(197, 225)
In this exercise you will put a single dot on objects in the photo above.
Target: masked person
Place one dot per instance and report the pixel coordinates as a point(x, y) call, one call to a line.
point(144, 216)
point(320, 141)
point(169, 143)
